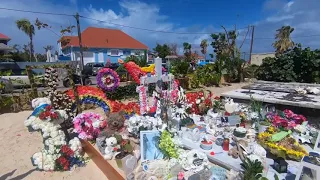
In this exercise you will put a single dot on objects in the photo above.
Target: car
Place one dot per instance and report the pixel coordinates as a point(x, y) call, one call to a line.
point(92, 68)
point(19, 78)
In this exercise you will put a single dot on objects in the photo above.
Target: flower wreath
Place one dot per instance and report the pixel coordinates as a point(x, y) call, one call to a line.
point(108, 79)
point(88, 125)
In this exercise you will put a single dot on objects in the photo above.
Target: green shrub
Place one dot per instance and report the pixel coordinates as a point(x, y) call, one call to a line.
point(207, 75)
point(180, 68)
point(129, 91)
point(295, 65)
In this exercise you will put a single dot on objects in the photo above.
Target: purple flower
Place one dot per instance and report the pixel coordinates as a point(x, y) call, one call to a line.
point(108, 79)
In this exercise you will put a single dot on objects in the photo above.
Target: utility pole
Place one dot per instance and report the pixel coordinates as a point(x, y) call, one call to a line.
point(252, 36)
point(80, 44)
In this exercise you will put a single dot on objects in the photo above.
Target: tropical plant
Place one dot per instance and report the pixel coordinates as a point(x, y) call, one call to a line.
point(180, 68)
point(250, 71)
point(28, 28)
point(47, 48)
point(207, 75)
point(204, 46)
point(283, 42)
point(187, 51)
point(252, 169)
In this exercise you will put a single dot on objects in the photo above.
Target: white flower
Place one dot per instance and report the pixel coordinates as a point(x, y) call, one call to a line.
point(198, 101)
point(96, 124)
point(254, 157)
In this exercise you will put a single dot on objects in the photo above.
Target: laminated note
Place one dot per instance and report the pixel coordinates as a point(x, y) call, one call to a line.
point(218, 173)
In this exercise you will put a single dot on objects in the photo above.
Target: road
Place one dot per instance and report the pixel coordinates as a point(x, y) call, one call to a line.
point(60, 87)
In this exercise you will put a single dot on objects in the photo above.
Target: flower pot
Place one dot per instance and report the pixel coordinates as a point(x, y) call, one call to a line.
point(119, 157)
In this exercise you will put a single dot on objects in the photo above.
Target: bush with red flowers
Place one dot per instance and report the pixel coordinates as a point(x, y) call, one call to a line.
point(199, 103)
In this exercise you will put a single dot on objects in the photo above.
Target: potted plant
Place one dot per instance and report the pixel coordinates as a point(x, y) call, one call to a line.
point(252, 169)
point(125, 149)
point(243, 120)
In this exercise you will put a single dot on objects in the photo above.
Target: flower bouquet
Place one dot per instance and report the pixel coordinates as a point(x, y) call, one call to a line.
point(88, 125)
point(288, 147)
point(68, 159)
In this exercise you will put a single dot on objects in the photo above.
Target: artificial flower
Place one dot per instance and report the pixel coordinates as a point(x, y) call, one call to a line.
point(108, 79)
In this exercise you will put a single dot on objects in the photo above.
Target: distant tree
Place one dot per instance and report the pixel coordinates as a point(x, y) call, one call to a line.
point(187, 51)
point(283, 40)
point(28, 28)
point(204, 46)
point(47, 48)
point(162, 50)
point(173, 49)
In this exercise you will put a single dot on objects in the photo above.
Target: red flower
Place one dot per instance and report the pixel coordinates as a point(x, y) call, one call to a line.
point(115, 149)
point(42, 116)
point(123, 143)
point(217, 98)
point(48, 108)
point(62, 160)
point(284, 123)
point(227, 114)
point(54, 115)
point(65, 168)
point(201, 94)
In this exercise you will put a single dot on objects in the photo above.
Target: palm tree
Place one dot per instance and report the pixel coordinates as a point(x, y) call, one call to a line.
point(187, 51)
point(283, 41)
point(28, 28)
point(47, 48)
point(204, 46)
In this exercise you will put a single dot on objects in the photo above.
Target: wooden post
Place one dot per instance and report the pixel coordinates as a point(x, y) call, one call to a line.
point(80, 45)
point(251, 44)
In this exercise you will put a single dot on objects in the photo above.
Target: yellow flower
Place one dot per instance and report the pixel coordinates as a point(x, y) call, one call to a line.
point(148, 69)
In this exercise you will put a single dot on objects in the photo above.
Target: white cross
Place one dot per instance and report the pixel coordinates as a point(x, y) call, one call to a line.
point(158, 78)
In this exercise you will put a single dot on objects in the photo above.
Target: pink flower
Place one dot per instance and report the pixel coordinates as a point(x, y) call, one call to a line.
point(291, 125)
point(180, 175)
point(276, 120)
point(289, 114)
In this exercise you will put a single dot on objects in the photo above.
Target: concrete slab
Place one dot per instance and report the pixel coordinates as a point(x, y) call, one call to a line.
point(278, 86)
point(284, 98)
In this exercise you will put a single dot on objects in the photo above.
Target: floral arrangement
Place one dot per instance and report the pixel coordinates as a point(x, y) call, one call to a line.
point(199, 104)
point(108, 79)
point(216, 103)
point(134, 70)
point(90, 95)
point(167, 146)
point(285, 120)
point(142, 90)
point(53, 136)
point(88, 125)
point(67, 159)
point(287, 147)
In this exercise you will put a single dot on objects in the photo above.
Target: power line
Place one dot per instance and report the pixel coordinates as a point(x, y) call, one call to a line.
point(144, 29)
point(36, 12)
point(151, 30)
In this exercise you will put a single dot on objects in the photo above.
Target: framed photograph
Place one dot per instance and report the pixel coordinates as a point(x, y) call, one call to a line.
point(317, 144)
point(149, 141)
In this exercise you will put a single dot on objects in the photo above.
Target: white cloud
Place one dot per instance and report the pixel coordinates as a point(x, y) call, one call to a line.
point(279, 18)
point(42, 37)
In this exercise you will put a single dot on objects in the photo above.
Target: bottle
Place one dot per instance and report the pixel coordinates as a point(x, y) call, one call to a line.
point(225, 144)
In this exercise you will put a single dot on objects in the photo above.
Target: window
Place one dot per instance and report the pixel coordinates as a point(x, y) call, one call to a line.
point(126, 53)
point(114, 52)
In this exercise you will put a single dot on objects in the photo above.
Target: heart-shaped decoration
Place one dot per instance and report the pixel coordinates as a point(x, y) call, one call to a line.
point(131, 163)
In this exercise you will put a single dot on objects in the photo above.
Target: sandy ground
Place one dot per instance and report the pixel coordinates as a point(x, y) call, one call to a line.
point(17, 145)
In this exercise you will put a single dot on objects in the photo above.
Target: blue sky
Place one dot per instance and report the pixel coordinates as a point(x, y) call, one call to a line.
point(175, 16)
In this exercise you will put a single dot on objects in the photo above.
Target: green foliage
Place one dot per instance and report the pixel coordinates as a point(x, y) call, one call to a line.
point(295, 65)
point(129, 91)
point(187, 51)
point(208, 74)
point(162, 50)
point(250, 71)
point(180, 68)
point(167, 146)
point(252, 169)
point(193, 80)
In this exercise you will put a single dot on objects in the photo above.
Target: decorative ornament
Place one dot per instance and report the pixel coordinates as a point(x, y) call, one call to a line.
point(108, 79)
